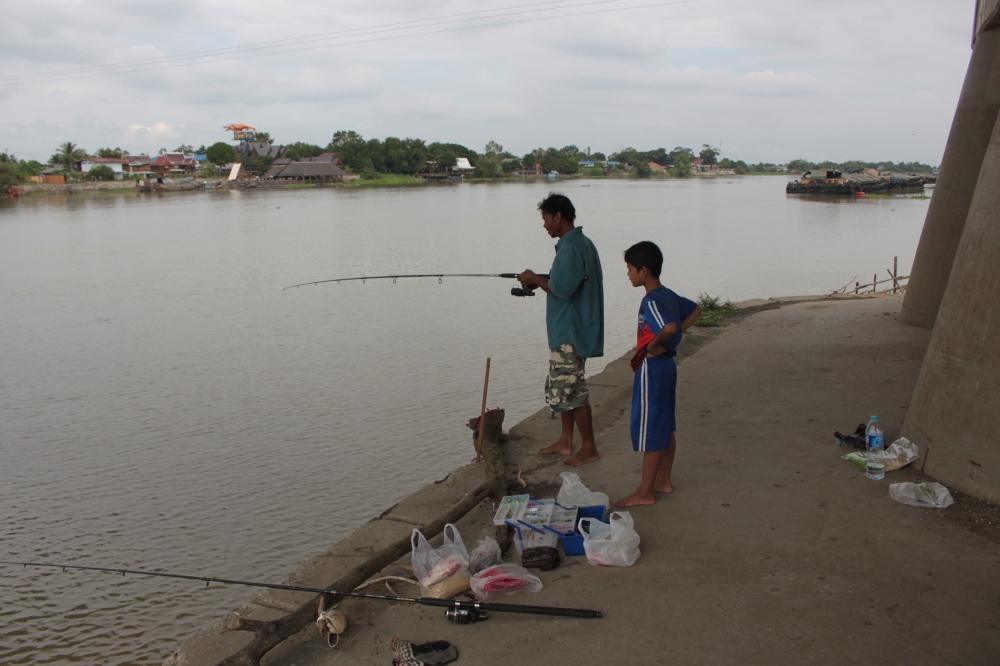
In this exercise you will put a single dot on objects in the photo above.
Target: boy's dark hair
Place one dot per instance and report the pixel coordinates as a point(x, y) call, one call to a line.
point(558, 203)
point(645, 254)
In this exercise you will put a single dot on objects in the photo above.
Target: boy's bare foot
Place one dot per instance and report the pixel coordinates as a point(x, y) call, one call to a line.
point(556, 448)
point(635, 499)
point(664, 488)
point(578, 459)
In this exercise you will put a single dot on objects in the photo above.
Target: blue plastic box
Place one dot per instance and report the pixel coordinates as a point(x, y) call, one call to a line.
point(573, 543)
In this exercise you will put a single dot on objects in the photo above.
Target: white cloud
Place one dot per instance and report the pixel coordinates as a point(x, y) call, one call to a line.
point(759, 75)
point(158, 130)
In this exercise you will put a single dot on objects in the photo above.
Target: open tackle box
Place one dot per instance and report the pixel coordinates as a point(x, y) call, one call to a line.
point(543, 522)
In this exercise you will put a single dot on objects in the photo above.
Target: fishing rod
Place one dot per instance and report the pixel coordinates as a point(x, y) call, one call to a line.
point(457, 611)
point(516, 291)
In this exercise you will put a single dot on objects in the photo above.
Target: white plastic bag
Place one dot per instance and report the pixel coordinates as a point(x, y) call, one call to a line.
point(924, 493)
point(614, 544)
point(899, 454)
point(573, 493)
point(485, 554)
point(443, 572)
point(501, 579)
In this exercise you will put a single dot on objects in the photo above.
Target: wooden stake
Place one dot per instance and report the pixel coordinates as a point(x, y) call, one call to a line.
point(482, 413)
point(895, 273)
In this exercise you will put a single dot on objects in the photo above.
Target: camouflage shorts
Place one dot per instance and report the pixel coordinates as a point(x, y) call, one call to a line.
point(565, 387)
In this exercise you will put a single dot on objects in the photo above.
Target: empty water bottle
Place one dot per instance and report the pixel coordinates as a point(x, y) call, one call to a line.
point(875, 465)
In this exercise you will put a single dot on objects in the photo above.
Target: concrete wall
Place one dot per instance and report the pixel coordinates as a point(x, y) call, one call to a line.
point(978, 107)
point(955, 411)
point(987, 15)
point(954, 414)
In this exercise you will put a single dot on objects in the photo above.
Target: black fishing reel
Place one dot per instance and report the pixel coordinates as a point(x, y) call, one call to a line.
point(464, 615)
point(522, 291)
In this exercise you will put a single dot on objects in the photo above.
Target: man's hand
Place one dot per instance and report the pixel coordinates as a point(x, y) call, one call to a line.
point(654, 349)
point(529, 279)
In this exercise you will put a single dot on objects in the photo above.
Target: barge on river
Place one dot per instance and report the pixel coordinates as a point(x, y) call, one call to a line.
point(831, 181)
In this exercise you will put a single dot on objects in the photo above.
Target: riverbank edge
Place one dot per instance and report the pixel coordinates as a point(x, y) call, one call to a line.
point(35, 190)
point(378, 543)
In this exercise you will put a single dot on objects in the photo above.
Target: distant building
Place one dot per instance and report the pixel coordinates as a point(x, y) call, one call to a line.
point(260, 149)
point(137, 165)
point(326, 167)
point(48, 179)
point(113, 163)
point(173, 164)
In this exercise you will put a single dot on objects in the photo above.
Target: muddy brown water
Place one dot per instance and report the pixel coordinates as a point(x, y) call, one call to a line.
point(166, 405)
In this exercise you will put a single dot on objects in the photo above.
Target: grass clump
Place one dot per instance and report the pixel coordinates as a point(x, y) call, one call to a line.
point(714, 310)
point(386, 180)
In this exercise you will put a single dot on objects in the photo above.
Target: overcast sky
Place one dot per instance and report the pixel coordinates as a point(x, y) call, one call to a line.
point(765, 80)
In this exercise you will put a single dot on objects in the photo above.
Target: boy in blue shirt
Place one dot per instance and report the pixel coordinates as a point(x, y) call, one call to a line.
point(663, 317)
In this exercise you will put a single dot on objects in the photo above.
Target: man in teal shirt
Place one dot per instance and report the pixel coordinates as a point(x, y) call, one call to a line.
point(574, 319)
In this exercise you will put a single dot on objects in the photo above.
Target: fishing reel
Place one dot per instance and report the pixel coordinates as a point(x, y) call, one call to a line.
point(523, 291)
point(464, 615)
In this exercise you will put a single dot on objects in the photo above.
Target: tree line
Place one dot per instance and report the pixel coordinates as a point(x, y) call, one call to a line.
point(392, 155)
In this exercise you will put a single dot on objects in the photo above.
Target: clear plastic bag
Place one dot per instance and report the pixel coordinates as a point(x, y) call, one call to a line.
point(573, 493)
point(485, 554)
point(614, 544)
point(503, 579)
point(441, 569)
point(926, 494)
point(899, 454)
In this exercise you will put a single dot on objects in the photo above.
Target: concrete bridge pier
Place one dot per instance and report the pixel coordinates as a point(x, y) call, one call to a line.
point(978, 107)
point(955, 411)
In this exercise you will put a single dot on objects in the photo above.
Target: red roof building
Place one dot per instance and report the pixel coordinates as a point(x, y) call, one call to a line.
point(173, 164)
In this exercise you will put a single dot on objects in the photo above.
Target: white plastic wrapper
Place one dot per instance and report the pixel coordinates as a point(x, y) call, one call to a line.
point(925, 493)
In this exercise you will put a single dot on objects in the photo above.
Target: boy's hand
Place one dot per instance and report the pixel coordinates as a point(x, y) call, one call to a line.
point(654, 349)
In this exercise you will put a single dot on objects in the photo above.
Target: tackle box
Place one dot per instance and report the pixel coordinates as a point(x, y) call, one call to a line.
point(569, 532)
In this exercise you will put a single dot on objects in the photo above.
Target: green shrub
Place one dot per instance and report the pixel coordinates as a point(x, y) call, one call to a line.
point(714, 310)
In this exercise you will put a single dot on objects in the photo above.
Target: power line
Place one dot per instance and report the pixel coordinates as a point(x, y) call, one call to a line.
point(322, 40)
point(298, 40)
point(277, 43)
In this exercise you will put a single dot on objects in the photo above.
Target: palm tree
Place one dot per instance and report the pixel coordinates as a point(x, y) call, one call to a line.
point(67, 156)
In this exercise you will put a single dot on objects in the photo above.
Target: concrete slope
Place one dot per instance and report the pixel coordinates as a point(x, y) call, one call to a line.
point(772, 549)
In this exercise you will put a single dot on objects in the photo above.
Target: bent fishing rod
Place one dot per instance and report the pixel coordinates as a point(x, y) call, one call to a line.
point(458, 611)
point(516, 291)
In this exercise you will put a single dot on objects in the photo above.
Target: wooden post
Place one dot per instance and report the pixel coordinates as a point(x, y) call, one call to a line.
point(895, 274)
point(857, 287)
point(494, 465)
point(482, 413)
point(874, 282)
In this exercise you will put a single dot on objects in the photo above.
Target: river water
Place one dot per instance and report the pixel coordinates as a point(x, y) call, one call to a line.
point(166, 405)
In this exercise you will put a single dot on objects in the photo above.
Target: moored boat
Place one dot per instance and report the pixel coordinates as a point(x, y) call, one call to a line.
point(831, 181)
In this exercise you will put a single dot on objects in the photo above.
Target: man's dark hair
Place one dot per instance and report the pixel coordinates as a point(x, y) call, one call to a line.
point(558, 203)
point(645, 254)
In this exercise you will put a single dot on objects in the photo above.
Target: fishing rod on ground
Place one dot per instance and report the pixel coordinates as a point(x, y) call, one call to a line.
point(515, 291)
point(457, 611)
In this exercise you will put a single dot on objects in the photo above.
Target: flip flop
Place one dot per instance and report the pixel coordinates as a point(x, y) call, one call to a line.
point(434, 653)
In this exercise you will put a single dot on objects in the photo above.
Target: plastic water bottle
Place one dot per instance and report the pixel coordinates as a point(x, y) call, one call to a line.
point(874, 467)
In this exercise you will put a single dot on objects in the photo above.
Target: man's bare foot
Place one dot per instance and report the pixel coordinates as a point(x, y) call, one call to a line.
point(635, 499)
point(578, 459)
point(556, 448)
point(664, 488)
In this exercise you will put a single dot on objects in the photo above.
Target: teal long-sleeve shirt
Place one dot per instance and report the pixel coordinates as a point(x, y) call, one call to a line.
point(574, 305)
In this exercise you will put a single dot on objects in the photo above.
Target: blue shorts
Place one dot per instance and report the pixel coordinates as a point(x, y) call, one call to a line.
point(654, 397)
